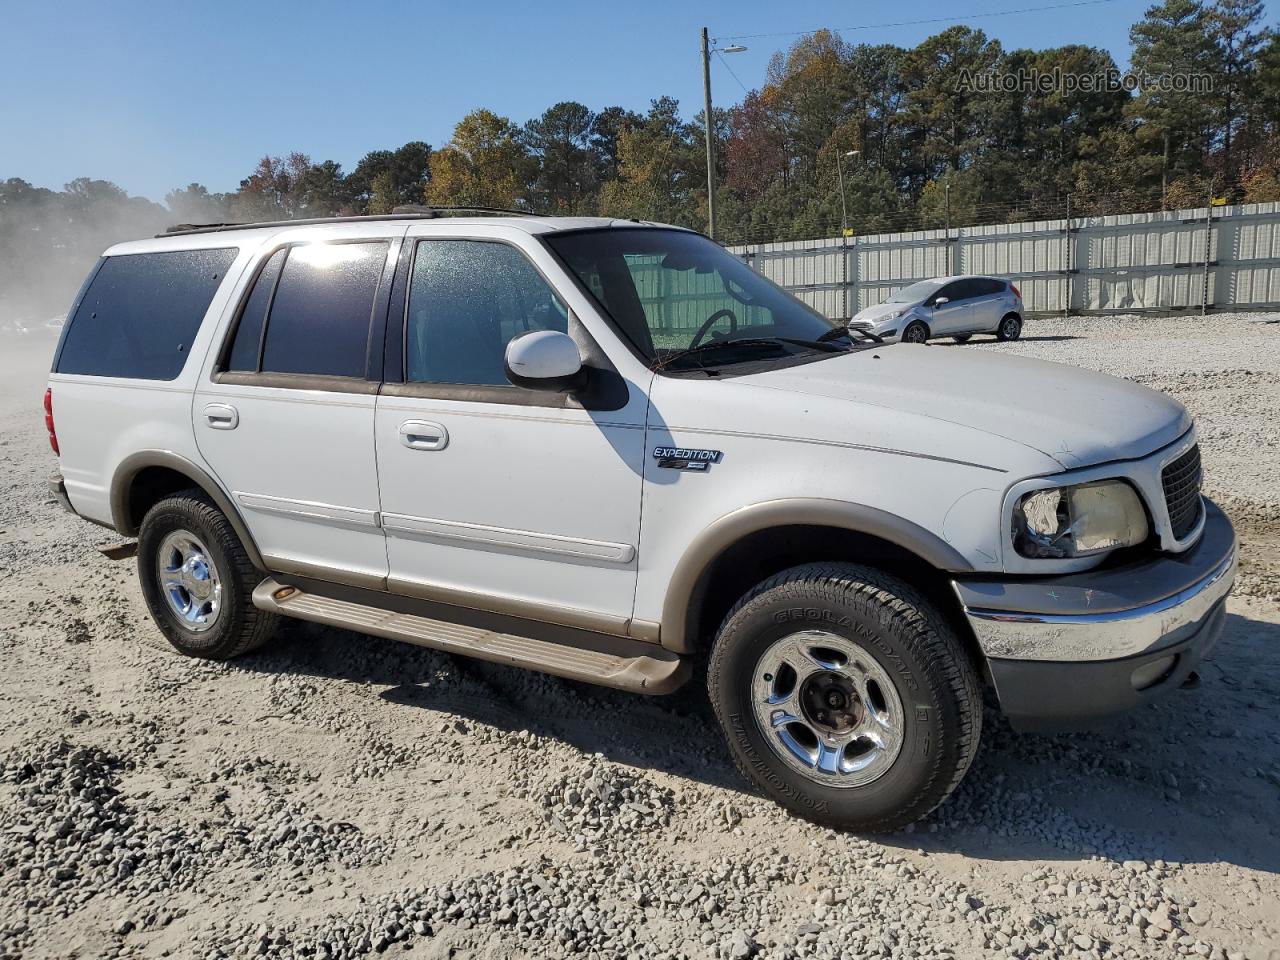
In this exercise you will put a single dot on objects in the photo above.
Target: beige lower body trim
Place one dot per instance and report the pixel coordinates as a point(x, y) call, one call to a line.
point(612, 662)
point(512, 607)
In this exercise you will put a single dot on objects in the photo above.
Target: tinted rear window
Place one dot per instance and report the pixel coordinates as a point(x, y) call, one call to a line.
point(319, 321)
point(141, 312)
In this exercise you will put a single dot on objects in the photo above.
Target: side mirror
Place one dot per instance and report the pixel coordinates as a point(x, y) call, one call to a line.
point(940, 301)
point(545, 360)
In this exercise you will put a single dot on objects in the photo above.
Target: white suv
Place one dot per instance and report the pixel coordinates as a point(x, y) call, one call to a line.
point(612, 452)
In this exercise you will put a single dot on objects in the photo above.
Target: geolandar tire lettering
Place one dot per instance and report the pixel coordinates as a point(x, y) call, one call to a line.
point(198, 580)
point(845, 696)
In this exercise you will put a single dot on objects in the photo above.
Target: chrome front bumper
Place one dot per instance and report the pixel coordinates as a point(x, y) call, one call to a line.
point(1098, 642)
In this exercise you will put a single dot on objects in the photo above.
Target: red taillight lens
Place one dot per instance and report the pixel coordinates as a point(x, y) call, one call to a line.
point(48, 421)
point(1015, 291)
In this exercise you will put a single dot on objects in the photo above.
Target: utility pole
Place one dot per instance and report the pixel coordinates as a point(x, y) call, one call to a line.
point(946, 200)
point(707, 123)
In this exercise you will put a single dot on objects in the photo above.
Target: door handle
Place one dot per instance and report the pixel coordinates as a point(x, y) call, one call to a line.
point(222, 416)
point(423, 435)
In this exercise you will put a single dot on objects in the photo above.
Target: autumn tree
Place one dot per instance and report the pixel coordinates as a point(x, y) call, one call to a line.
point(484, 165)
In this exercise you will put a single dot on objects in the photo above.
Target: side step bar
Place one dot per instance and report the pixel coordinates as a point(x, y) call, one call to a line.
point(609, 661)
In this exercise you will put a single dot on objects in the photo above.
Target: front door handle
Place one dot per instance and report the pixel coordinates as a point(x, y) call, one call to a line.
point(423, 435)
point(222, 416)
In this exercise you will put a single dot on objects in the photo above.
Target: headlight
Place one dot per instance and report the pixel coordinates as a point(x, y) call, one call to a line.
point(1079, 521)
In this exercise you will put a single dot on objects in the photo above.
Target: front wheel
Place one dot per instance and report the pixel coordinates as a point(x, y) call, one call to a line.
point(1010, 327)
point(198, 580)
point(845, 696)
point(916, 332)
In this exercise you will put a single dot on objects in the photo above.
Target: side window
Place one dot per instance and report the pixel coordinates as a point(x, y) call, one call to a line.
point(952, 291)
point(319, 317)
point(141, 312)
point(990, 288)
point(467, 300)
point(248, 340)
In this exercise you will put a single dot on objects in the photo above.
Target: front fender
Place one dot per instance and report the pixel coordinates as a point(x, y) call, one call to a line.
point(719, 536)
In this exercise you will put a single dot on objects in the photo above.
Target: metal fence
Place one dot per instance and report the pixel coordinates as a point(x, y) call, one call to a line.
point(1195, 261)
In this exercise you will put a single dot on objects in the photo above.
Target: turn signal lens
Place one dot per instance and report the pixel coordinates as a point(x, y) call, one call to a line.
point(48, 421)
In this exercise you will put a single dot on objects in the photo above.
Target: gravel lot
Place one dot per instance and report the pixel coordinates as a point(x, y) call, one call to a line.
point(337, 794)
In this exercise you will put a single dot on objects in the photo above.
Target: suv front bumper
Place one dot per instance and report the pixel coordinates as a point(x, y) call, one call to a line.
point(1064, 650)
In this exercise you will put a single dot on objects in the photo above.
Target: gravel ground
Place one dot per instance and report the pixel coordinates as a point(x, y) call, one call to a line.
point(336, 795)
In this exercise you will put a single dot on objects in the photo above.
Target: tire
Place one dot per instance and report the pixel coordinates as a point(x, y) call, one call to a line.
point(1010, 327)
point(962, 338)
point(915, 332)
point(207, 610)
point(918, 676)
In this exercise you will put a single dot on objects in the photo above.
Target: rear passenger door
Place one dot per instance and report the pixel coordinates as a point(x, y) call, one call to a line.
point(285, 416)
point(954, 315)
point(988, 303)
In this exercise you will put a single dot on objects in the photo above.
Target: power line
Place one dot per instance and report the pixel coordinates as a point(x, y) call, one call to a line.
point(912, 23)
point(732, 74)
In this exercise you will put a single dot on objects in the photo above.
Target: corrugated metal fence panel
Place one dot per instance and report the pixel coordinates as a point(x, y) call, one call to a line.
point(1138, 261)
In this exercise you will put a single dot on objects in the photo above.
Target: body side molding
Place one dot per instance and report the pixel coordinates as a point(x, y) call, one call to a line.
point(732, 527)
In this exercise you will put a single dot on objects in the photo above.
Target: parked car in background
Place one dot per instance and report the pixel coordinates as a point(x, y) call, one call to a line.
point(956, 307)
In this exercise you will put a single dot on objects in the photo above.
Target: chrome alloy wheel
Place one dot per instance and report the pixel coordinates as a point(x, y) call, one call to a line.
point(828, 708)
point(189, 580)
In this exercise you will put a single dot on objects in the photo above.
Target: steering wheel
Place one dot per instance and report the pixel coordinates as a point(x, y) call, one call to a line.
point(711, 322)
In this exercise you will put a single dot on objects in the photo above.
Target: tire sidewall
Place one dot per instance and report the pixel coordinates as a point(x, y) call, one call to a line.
point(754, 630)
point(162, 520)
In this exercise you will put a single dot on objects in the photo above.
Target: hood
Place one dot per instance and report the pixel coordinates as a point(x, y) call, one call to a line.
point(1076, 417)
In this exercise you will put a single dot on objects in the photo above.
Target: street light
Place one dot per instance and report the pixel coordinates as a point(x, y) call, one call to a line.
point(706, 115)
point(844, 205)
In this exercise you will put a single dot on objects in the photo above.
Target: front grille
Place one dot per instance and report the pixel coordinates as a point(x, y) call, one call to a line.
point(859, 325)
point(1181, 480)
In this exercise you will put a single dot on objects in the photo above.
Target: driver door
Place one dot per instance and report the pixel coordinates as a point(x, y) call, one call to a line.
point(954, 316)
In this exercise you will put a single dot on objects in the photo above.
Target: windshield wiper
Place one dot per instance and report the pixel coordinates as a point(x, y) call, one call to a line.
point(727, 344)
point(847, 331)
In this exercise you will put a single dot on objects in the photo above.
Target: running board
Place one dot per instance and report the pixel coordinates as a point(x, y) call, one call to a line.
point(609, 661)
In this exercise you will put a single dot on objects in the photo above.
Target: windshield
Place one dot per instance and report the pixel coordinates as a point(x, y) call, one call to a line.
point(671, 292)
point(916, 292)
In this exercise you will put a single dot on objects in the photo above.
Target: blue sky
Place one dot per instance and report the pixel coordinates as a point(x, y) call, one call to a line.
point(157, 95)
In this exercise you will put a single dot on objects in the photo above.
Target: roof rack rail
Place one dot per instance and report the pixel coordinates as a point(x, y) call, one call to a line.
point(406, 212)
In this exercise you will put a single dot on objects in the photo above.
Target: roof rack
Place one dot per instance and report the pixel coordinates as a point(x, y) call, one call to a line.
point(411, 211)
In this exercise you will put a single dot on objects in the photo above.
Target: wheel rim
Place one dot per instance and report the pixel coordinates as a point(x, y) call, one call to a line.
point(1011, 328)
point(828, 709)
point(915, 334)
point(189, 580)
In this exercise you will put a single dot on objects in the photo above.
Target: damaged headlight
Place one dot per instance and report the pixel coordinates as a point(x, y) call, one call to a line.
point(1079, 521)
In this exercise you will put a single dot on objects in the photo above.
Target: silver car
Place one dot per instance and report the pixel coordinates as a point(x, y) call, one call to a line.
point(956, 307)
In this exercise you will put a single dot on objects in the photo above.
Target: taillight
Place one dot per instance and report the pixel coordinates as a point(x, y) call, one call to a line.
point(1015, 291)
point(48, 421)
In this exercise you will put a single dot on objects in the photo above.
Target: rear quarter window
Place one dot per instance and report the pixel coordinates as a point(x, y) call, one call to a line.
point(141, 312)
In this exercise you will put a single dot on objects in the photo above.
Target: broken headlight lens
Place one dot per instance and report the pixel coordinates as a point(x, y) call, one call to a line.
point(1079, 521)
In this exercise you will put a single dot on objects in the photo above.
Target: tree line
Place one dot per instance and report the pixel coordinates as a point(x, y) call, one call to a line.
point(924, 136)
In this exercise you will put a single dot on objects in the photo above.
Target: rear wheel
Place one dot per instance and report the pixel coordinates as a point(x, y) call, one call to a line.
point(198, 580)
point(916, 332)
point(845, 696)
point(1010, 327)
